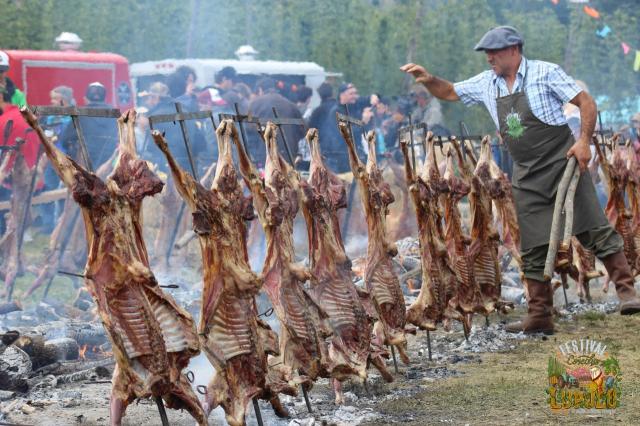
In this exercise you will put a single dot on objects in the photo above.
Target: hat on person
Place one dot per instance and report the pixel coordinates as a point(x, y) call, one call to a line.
point(158, 88)
point(4, 61)
point(344, 87)
point(499, 38)
point(95, 92)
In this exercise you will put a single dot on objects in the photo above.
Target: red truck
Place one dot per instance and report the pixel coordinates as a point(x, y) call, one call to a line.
point(36, 72)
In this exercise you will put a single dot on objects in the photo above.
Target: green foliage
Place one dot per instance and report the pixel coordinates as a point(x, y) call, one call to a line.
point(366, 40)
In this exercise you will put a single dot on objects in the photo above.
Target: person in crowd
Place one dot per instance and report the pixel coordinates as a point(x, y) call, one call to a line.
point(17, 96)
point(225, 79)
point(233, 97)
point(100, 134)
point(427, 108)
point(377, 118)
point(262, 107)
point(55, 125)
point(182, 84)
point(242, 94)
point(61, 96)
point(157, 92)
point(399, 117)
point(319, 116)
point(13, 126)
point(321, 112)
point(159, 102)
point(303, 98)
point(210, 100)
point(333, 147)
point(525, 99)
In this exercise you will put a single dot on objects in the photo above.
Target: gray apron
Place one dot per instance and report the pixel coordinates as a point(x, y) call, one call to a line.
point(539, 159)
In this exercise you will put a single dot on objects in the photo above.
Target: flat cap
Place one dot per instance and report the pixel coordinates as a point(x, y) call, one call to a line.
point(499, 38)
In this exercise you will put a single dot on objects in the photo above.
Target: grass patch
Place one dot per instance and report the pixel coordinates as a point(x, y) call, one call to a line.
point(592, 316)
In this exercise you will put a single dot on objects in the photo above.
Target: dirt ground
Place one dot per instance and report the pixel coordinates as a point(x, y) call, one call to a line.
point(494, 380)
point(458, 387)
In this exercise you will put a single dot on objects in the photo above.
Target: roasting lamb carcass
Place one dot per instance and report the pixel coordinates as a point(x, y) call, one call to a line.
point(304, 325)
point(233, 338)
point(379, 278)
point(485, 239)
point(586, 265)
point(68, 226)
point(502, 195)
point(350, 346)
point(618, 176)
point(633, 195)
point(436, 301)
point(469, 296)
point(152, 337)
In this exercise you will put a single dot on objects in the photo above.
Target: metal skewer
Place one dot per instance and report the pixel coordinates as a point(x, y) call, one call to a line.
point(256, 408)
point(393, 355)
point(162, 411)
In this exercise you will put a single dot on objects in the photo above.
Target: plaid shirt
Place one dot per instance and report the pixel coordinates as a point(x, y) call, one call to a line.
point(547, 88)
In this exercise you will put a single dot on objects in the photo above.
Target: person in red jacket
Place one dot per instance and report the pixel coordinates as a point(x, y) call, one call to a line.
point(13, 126)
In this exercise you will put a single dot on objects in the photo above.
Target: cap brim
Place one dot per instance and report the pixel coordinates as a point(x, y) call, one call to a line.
point(4, 68)
point(480, 47)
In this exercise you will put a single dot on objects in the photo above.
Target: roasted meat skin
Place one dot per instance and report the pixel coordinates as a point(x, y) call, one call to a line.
point(304, 325)
point(231, 335)
point(469, 297)
point(618, 177)
point(152, 337)
point(485, 239)
point(380, 280)
point(437, 300)
point(350, 348)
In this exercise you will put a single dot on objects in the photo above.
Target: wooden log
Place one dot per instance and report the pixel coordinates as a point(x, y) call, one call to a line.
point(568, 207)
point(65, 348)
point(554, 237)
point(42, 198)
point(92, 373)
point(15, 367)
point(75, 366)
point(35, 348)
point(410, 274)
point(6, 307)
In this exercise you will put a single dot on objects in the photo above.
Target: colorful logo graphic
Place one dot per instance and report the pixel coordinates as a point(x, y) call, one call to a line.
point(583, 377)
point(515, 129)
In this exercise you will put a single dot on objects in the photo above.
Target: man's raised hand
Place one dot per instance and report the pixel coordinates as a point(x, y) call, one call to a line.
point(418, 72)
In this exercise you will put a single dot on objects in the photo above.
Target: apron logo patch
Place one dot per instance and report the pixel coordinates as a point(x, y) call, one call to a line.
point(515, 129)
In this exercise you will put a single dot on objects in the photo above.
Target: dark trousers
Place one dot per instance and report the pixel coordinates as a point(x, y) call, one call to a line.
point(602, 241)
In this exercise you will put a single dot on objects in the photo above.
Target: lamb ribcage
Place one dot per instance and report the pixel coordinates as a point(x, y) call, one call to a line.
point(230, 327)
point(337, 302)
point(296, 317)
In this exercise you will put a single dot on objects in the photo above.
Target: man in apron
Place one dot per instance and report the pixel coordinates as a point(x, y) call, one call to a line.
point(525, 99)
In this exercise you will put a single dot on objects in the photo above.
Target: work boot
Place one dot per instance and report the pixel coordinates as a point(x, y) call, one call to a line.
point(539, 318)
point(620, 273)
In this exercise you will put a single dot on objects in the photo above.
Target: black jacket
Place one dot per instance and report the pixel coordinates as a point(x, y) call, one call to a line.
point(173, 135)
point(262, 107)
point(100, 136)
